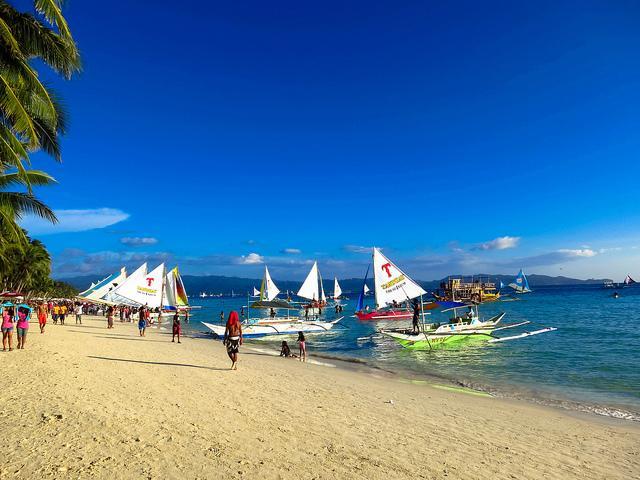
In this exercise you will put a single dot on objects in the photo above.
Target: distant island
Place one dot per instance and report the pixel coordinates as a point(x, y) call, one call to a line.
point(226, 285)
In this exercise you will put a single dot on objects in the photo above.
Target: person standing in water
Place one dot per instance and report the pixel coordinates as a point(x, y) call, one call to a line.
point(303, 347)
point(233, 338)
point(416, 316)
point(176, 327)
point(42, 316)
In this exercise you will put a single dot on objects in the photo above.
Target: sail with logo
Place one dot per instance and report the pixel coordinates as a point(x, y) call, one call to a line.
point(521, 284)
point(142, 288)
point(392, 288)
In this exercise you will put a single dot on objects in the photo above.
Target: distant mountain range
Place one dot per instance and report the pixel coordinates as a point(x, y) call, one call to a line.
point(220, 284)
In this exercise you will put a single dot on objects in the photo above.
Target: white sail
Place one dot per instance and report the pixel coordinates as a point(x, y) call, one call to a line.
point(323, 297)
point(309, 288)
point(337, 291)
point(169, 296)
point(366, 289)
point(115, 295)
point(391, 283)
point(268, 290)
point(107, 285)
point(148, 289)
point(256, 292)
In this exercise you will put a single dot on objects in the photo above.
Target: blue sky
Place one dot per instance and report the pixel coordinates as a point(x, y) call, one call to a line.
point(462, 138)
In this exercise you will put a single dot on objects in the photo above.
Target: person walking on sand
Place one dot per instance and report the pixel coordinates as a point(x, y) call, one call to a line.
point(233, 338)
point(24, 312)
point(7, 328)
point(176, 327)
point(303, 347)
point(42, 316)
point(56, 312)
point(142, 321)
point(63, 313)
point(110, 317)
point(78, 312)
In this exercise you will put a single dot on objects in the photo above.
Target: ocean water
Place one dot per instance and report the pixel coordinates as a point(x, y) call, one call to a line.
point(591, 363)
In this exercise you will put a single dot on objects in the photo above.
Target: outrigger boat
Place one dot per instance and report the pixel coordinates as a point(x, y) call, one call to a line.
point(274, 324)
point(312, 289)
point(392, 287)
point(460, 330)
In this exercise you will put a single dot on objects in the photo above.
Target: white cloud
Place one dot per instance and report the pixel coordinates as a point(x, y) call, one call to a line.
point(580, 252)
point(292, 251)
point(500, 243)
point(610, 249)
point(251, 259)
point(356, 249)
point(74, 221)
point(138, 241)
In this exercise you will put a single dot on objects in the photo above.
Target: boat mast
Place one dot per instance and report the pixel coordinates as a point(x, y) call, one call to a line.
point(375, 289)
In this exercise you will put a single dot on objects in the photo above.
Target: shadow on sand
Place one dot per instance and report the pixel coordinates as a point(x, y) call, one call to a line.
point(168, 364)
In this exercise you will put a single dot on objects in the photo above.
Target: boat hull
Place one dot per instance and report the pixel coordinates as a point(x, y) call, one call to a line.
point(280, 328)
point(384, 315)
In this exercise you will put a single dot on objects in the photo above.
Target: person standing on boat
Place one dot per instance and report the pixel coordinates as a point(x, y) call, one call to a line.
point(233, 338)
point(416, 316)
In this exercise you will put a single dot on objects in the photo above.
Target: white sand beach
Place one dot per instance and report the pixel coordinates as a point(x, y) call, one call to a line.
point(87, 402)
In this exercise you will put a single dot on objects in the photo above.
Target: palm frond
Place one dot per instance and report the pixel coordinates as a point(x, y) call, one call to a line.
point(52, 11)
point(14, 109)
point(36, 178)
point(22, 204)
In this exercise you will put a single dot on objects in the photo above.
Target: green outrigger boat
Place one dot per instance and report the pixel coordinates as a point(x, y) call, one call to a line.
point(459, 331)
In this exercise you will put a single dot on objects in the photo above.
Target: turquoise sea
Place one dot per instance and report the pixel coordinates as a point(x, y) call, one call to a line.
point(591, 363)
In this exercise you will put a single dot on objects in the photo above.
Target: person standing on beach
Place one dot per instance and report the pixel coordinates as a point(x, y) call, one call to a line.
point(78, 312)
point(142, 321)
point(222, 316)
point(176, 327)
point(24, 313)
point(110, 317)
point(56, 312)
point(7, 328)
point(303, 347)
point(42, 316)
point(63, 313)
point(233, 338)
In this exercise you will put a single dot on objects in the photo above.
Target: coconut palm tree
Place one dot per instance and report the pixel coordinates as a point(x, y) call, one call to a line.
point(31, 116)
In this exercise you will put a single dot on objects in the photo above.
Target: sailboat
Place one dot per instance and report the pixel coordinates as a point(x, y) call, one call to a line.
point(256, 292)
point(142, 289)
point(392, 287)
point(275, 325)
point(628, 281)
point(520, 285)
point(313, 289)
point(337, 291)
point(175, 295)
point(460, 330)
point(99, 292)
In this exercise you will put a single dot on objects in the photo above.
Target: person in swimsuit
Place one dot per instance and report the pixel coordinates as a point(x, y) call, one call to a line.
point(7, 328)
point(42, 316)
point(285, 351)
point(176, 327)
point(24, 313)
point(233, 338)
point(142, 322)
point(303, 347)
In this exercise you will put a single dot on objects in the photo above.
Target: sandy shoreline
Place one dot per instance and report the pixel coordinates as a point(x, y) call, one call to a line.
point(87, 402)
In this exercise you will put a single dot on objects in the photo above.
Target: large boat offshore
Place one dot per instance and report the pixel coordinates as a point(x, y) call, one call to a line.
point(456, 289)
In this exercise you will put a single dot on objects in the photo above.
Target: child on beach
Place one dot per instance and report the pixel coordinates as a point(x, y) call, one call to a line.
point(303, 347)
point(42, 316)
point(56, 312)
point(142, 322)
point(285, 351)
point(176, 327)
point(63, 313)
point(7, 328)
point(24, 313)
point(233, 338)
point(78, 312)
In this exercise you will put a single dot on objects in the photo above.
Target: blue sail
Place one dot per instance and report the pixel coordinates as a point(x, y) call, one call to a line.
point(521, 284)
point(360, 304)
